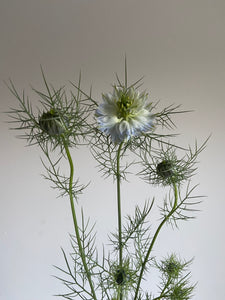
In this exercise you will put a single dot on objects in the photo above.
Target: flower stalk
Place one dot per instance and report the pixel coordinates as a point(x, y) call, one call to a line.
point(76, 228)
point(154, 239)
point(118, 180)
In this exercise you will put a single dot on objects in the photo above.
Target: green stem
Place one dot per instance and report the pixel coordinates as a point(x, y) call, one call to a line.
point(154, 239)
point(162, 294)
point(119, 206)
point(118, 177)
point(76, 228)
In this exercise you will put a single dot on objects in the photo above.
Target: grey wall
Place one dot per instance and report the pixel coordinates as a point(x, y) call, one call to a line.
point(179, 46)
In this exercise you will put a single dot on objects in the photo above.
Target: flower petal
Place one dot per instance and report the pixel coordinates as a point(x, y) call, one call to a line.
point(124, 114)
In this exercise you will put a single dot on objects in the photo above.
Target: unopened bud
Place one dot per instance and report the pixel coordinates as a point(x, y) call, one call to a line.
point(165, 169)
point(120, 277)
point(51, 123)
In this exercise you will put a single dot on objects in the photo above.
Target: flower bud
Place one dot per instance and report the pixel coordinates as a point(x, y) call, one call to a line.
point(165, 169)
point(51, 123)
point(120, 276)
point(172, 268)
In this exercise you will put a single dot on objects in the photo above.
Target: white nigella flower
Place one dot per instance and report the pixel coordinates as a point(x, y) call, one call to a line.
point(124, 114)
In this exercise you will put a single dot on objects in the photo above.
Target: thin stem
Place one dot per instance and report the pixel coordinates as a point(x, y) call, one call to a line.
point(76, 228)
point(118, 177)
point(162, 294)
point(154, 239)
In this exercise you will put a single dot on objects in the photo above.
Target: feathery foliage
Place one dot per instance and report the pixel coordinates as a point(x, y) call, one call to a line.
point(126, 130)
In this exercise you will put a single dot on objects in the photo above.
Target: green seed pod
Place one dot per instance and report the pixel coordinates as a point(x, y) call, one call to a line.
point(165, 169)
point(51, 123)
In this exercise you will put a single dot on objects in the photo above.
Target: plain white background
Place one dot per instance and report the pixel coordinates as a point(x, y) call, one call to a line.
point(179, 46)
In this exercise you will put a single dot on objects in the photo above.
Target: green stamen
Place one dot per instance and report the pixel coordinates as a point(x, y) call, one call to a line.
point(124, 105)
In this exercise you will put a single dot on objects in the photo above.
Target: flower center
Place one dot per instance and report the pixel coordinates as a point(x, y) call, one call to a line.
point(124, 105)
